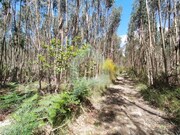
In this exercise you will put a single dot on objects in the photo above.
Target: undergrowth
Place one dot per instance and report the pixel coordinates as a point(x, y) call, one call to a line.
point(25, 120)
point(14, 95)
point(33, 112)
point(167, 99)
point(99, 84)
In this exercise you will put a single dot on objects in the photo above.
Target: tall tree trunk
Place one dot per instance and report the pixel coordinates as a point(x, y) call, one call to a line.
point(163, 42)
point(38, 45)
point(177, 40)
point(150, 52)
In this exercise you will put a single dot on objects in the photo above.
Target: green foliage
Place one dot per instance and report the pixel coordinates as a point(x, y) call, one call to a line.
point(76, 61)
point(164, 98)
point(16, 93)
point(57, 107)
point(63, 56)
point(24, 119)
point(53, 109)
point(98, 84)
point(35, 112)
point(9, 100)
point(139, 76)
point(81, 88)
point(30, 115)
point(115, 18)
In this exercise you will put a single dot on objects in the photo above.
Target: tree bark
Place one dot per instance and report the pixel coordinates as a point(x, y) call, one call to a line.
point(150, 52)
point(163, 42)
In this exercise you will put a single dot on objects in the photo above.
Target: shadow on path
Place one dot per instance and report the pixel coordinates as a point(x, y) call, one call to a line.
point(120, 117)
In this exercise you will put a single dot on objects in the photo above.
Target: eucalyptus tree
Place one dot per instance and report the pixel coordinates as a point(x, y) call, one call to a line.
point(137, 32)
point(40, 38)
point(152, 40)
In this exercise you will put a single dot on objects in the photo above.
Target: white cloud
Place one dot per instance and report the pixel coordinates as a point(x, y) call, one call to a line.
point(123, 40)
point(123, 43)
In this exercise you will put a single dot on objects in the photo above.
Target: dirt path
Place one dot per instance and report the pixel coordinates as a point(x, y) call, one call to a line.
point(117, 113)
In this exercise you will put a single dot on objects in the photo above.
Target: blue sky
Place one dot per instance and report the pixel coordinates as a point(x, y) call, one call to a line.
point(125, 17)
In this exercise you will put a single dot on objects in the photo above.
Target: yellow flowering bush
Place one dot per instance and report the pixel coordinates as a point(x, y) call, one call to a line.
point(110, 66)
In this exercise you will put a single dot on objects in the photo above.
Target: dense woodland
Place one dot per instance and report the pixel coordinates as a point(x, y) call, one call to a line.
point(55, 55)
point(46, 40)
point(153, 45)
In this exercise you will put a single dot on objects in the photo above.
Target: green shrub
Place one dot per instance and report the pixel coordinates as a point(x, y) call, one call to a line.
point(57, 107)
point(98, 87)
point(81, 88)
point(165, 98)
point(84, 87)
point(98, 84)
point(35, 112)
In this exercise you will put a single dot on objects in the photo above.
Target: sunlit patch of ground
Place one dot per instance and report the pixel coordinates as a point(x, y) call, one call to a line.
point(114, 115)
